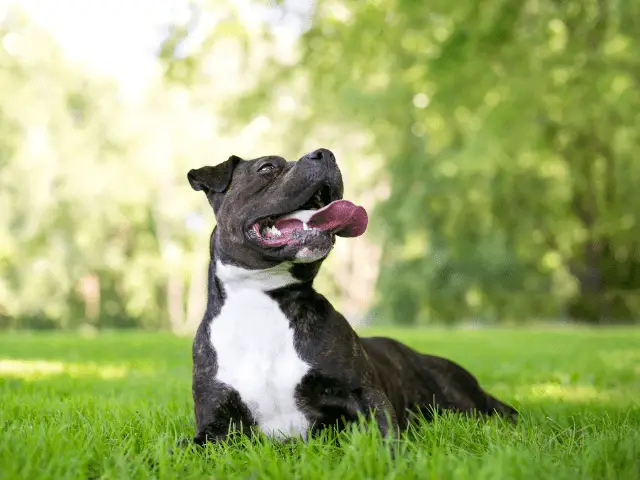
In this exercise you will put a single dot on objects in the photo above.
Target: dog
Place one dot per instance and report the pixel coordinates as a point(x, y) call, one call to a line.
point(271, 353)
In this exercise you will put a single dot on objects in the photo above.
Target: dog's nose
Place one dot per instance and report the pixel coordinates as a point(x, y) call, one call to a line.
point(322, 154)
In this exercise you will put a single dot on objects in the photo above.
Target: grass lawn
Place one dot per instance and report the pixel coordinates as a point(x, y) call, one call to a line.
point(111, 406)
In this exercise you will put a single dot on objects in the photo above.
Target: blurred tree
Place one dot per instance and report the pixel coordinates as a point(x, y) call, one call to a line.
point(68, 214)
point(499, 135)
point(508, 132)
point(84, 233)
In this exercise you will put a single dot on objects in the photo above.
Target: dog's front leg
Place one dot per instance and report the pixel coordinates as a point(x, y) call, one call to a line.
point(378, 404)
point(219, 413)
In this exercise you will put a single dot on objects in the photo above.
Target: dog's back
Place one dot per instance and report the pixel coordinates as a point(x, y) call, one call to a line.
point(424, 383)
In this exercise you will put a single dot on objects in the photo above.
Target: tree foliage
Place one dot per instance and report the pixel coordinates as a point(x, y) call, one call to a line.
point(496, 140)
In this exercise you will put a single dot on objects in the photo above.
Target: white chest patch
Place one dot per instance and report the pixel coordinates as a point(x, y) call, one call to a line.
point(255, 349)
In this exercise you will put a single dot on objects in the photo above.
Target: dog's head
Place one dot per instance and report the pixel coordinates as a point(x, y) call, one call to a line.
point(269, 210)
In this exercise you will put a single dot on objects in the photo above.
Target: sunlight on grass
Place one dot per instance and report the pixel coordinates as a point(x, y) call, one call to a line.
point(31, 369)
point(579, 393)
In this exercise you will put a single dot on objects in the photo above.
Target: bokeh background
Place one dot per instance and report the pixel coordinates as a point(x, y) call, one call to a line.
point(495, 144)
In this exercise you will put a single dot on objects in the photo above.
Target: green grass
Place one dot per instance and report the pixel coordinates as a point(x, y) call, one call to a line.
point(111, 406)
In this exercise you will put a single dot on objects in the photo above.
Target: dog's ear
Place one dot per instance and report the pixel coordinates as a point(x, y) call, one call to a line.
point(213, 179)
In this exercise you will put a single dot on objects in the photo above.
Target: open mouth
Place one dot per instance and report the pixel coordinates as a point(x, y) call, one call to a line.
point(315, 216)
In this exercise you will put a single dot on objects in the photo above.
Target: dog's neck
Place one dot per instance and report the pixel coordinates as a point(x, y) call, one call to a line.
point(285, 281)
point(238, 278)
point(231, 281)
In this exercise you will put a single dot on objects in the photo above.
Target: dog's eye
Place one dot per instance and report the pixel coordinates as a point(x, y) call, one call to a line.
point(267, 167)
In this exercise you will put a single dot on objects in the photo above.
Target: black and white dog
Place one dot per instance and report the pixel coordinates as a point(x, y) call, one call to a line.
point(272, 353)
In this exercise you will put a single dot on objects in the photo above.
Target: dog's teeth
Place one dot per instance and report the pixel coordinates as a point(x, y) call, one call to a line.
point(272, 232)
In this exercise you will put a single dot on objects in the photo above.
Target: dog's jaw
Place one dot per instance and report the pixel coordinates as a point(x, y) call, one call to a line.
point(310, 255)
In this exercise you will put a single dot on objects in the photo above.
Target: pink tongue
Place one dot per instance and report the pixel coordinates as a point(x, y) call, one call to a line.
point(342, 218)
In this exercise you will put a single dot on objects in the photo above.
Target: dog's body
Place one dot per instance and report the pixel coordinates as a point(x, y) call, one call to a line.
point(273, 353)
